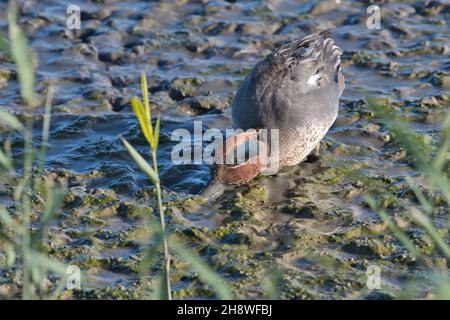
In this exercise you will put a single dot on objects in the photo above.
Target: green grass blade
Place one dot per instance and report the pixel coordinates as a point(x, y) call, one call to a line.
point(443, 146)
point(146, 125)
point(206, 274)
point(6, 218)
point(144, 88)
point(5, 161)
point(40, 259)
point(426, 205)
point(159, 290)
point(21, 55)
point(156, 133)
point(407, 243)
point(8, 246)
point(425, 223)
point(140, 161)
point(9, 120)
point(419, 151)
point(4, 46)
point(273, 284)
point(443, 284)
point(45, 129)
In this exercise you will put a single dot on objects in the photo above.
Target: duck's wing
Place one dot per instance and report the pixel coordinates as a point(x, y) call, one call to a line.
point(310, 62)
point(289, 76)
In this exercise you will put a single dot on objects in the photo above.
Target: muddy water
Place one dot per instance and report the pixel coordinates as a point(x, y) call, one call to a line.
point(309, 219)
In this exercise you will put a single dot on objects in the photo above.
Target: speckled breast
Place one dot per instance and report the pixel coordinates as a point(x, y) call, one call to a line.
point(296, 145)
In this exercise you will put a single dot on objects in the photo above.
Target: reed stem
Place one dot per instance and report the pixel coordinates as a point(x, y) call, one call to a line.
point(163, 230)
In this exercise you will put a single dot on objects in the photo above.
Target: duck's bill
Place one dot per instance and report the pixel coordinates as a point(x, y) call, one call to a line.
point(212, 191)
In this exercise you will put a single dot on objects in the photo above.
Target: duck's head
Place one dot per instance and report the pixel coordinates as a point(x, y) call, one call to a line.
point(241, 158)
point(237, 162)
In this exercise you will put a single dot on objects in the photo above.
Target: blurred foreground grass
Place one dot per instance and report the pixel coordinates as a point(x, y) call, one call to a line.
point(432, 161)
point(36, 197)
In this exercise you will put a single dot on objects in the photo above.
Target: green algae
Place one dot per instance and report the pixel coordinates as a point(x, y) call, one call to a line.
point(320, 232)
point(133, 211)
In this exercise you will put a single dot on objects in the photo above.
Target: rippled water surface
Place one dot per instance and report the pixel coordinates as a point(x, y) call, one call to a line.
point(195, 54)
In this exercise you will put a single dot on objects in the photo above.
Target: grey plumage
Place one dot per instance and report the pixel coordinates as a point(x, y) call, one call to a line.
point(296, 89)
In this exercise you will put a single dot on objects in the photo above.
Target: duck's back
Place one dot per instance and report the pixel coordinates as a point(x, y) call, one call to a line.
point(296, 89)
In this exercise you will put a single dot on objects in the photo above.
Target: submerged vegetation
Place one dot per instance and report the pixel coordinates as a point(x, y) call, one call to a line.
point(310, 232)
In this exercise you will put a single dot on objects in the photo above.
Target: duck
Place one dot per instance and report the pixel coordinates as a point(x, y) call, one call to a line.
point(295, 90)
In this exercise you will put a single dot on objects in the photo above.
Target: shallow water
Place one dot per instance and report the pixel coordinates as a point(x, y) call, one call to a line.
point(201, 50)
